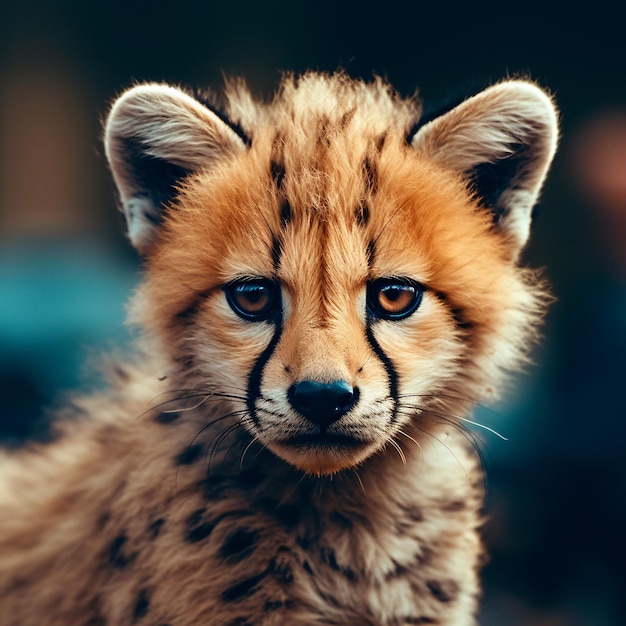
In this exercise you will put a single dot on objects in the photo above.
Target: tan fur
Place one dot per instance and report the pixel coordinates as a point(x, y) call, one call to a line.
point(168, 500)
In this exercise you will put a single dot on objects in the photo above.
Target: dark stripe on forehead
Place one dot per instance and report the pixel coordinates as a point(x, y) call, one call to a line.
point(362, 214)
point(277, 250)
point(392, 375)
point(346, 118)
point(380, 142)
point(370, 252)
point(370, 175)
point(277, 170)
point(285, 214)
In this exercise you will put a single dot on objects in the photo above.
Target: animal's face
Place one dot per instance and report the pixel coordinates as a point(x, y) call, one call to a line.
point(342, 286)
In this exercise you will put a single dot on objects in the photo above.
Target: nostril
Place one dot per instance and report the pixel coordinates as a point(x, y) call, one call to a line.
point(322, 403)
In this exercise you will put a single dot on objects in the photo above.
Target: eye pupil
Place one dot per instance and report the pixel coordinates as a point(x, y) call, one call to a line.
point(393, 298)
point(253, 300)
point(392, 293)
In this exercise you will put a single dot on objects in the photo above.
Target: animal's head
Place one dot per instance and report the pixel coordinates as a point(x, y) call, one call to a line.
point(349, 273)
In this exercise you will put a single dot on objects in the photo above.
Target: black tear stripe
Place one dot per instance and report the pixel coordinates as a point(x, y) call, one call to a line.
point(392, 375)
point(256, 374)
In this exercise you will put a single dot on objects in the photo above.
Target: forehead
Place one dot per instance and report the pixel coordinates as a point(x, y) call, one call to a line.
point(349, 208)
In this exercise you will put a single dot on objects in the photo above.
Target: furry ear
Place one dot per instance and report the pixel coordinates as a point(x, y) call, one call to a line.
point(155, 136)
point(502, 141)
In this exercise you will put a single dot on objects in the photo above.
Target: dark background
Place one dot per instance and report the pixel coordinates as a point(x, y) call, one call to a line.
point(557, 488)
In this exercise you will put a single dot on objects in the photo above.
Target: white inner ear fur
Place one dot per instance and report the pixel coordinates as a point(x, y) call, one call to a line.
point(165, 123)
point(507, 120)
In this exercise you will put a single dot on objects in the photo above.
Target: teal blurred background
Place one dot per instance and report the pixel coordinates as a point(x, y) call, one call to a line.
point(557, 488)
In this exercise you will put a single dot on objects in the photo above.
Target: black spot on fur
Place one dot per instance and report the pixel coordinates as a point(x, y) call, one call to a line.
point(190, 455)
point(103, 520)
point(457, 312)
point(154, 530)
point(214, 485)
point(97, 619)
point(413, 513)
point(328, 556)
point(307, 568)
point(419, 620)
point(116, 555)
point(250, 478)
point(198, 528)
point(397, 572)
point(121, 374)
point(459, 319)
point(142, 605)
point(444, 592)
point(454, 507)
point(281, 571)
point(341, 520)
point(288, 515)
point(167, 417)
point(273, 605)
point(362, 214)
point(239, 545)
point(243, 588)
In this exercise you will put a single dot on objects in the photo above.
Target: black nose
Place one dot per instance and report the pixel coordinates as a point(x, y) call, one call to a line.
point(322, 403)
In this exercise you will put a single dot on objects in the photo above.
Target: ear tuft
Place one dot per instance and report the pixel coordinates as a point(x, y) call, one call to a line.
point(155, 136)
point(502, 141)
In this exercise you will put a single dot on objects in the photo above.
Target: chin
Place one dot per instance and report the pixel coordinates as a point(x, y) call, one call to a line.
point(322, 455)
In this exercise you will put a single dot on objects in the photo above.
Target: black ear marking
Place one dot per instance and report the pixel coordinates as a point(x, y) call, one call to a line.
point(155, 136)
point(156, 178)
point(489, 181)
point(502, 141)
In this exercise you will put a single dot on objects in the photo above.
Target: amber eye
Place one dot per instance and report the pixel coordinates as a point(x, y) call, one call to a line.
point(394, 298)
point(254, 300)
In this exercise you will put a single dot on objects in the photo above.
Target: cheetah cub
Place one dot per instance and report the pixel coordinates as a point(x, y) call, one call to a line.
point(331, 284)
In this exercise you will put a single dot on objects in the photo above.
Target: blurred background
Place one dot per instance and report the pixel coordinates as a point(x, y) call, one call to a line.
point(557, 488)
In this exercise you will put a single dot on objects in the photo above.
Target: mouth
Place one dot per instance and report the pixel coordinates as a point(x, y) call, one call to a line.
point(322, 440)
